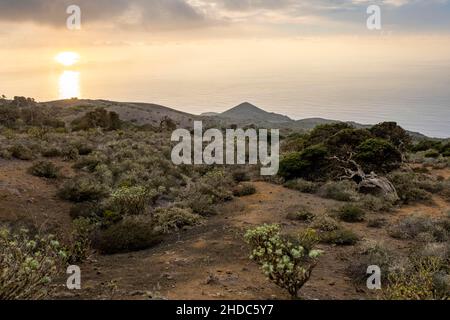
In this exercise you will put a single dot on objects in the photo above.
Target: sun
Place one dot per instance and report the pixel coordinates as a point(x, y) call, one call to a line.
point(67, 58)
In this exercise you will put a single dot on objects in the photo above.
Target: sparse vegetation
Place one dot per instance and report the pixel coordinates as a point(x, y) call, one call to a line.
point(351, 213)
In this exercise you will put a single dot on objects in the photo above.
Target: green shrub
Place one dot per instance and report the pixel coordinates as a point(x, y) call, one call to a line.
point(345, 141)
point(83, 188)
point(341, 191)
point(133, 233)
point(309, 164)
point(302, 185)
point(174, 219)
point(339, 237)
point(45, 169)
point(301, 215)
point(132, 200)
point(351, 213)
point(85, 210)
point(79, 248)
point(27, 265)
point(21, 152)
point(99, 118)
point(393, 133)
point(324, 223)
point(432, 154)
point(322, 133)
point(425, 145)
point(244, 189)
point(286, 264)
point(424, 279)
point(378, 155)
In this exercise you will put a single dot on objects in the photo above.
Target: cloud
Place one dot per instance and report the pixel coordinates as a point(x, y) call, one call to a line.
point(182, 14)
point(144, 12)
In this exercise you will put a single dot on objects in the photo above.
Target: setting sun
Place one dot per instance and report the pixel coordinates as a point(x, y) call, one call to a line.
point(67, 58)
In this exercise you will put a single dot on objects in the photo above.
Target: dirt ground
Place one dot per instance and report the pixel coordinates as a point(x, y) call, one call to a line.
point(207, 262)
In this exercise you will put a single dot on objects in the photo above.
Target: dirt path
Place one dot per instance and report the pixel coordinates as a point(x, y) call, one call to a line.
point(211, 261)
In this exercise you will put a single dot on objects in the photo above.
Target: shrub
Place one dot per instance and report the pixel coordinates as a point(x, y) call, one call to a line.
point(85, 210)
point(425, 145)
point(51, 152)
point(376, 203)
point(309, 164)
point(21, 152)
point(393, 133)
point(351, 213)
point(83, 188)
point(44, 169)
point(240, 175)
point(345, 141)
point(414, 226)
point(432, 154)
point(133, 233)
point(244, 189)
point(420, 280)
point(339, 237)
point(174, 219)
point(301, 215)
point(323, 132)
point(370, 254)
point(286, 264)
point(340, 191)
point(132, 200)
point(410, 186)
point(378, 155)
point(99, 118)
point(376, 223)
point(79, 248)
point(324, 223)
point(28, 264)
point(302, 185)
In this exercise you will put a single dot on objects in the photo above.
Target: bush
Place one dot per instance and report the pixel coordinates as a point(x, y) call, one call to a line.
point(351, 213)
point(51, 152)
point(340, 191)
point(323, 132)
point(302, 185)
point(393, 133)
point(378, 155)
point(99, 118)
point(345, 141)
point(324, 223)
point(79, 248)
point(376, 223)
point(309, 164)
point(424, 278)
point(370, 254)
point(174, 219)
point(432, 154)
point(27, 265)
point(44, 169)
point(83, 188)
point(244, 189)
point(376, 203)
point(425, 145)
point(339, 237)
point(21, 152)
point(286, 264)
point(301, 215)
point(410, 186)
point(413, 227)
point(133, 233)
point(132, 200)
point(85, 210)
point(240, 176)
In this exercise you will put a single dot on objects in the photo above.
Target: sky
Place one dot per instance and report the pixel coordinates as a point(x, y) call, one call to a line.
point(297, 57)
